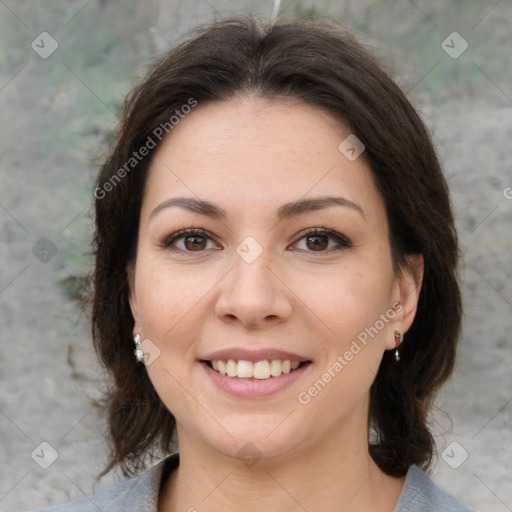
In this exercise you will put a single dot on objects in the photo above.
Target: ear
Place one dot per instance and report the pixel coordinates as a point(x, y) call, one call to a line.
point(406, 293)
point(132, 297)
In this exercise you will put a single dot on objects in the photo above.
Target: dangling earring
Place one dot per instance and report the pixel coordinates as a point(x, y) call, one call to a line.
point(399, 337)
point(139, 354)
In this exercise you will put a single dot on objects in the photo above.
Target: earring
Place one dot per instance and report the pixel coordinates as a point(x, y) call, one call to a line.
point(399, 338)
point(139, 354)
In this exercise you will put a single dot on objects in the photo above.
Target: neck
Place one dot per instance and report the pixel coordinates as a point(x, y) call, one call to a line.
point(321, 477)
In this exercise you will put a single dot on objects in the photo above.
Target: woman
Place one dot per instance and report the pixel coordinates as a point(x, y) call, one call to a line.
point(271, 221)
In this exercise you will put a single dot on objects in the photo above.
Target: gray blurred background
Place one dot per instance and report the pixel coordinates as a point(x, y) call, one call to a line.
point(65, 67)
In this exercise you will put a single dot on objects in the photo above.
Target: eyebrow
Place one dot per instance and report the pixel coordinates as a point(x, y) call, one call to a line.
point(286, 211)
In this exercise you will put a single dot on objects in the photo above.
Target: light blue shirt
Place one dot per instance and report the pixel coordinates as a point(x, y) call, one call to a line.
point(140, 494)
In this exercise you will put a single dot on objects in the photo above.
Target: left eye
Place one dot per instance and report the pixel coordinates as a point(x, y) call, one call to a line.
point(319, 240)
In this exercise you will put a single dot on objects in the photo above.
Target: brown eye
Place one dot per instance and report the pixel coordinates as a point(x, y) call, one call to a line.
point(189, 240)
point(195, 243)
point(317, 242)
point(322, 241)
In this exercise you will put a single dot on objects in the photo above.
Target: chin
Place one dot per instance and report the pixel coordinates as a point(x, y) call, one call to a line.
point(257, 442)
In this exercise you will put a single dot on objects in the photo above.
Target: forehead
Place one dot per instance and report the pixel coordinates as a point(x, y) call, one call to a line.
point(248, 151)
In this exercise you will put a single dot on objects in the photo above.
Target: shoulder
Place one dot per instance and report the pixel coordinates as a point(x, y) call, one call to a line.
point(420, 494)
point(112, 499)
point(136, 494)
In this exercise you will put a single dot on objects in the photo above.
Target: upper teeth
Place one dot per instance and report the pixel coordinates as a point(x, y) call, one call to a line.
point(259, 369)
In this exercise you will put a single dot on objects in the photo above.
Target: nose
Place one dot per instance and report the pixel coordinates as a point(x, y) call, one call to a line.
point(253, 295)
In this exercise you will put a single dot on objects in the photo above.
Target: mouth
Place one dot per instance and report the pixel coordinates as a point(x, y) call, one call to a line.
point(257, 370)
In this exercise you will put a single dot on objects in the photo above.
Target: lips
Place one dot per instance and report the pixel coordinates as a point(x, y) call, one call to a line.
point(253, 387)
point(245, 366)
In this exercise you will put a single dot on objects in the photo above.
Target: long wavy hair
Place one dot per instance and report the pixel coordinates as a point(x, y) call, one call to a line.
point(321, 65)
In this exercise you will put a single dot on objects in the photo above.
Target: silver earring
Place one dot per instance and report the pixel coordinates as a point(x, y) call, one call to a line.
point(399, 338)
point(139, 354)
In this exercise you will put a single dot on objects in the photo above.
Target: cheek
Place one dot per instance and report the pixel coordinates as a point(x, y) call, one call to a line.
point(350, 307)
point(169, 306)
point(348, 301)
point(167, 301)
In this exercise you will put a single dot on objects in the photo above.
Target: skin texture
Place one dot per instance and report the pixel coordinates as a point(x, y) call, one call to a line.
point(250, 156)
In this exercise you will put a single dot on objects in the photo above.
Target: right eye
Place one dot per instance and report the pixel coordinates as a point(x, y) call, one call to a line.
point(189, 240)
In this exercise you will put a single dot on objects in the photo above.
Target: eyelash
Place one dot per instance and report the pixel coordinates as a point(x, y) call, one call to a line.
point(341, 240)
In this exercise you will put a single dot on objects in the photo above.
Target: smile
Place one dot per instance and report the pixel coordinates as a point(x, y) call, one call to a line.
point(243, 369)
point(262, 378)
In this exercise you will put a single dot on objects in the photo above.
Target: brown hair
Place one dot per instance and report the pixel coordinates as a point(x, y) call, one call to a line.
point(320, 65)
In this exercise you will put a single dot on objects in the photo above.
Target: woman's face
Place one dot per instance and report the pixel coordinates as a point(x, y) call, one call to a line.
point(289, 264)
